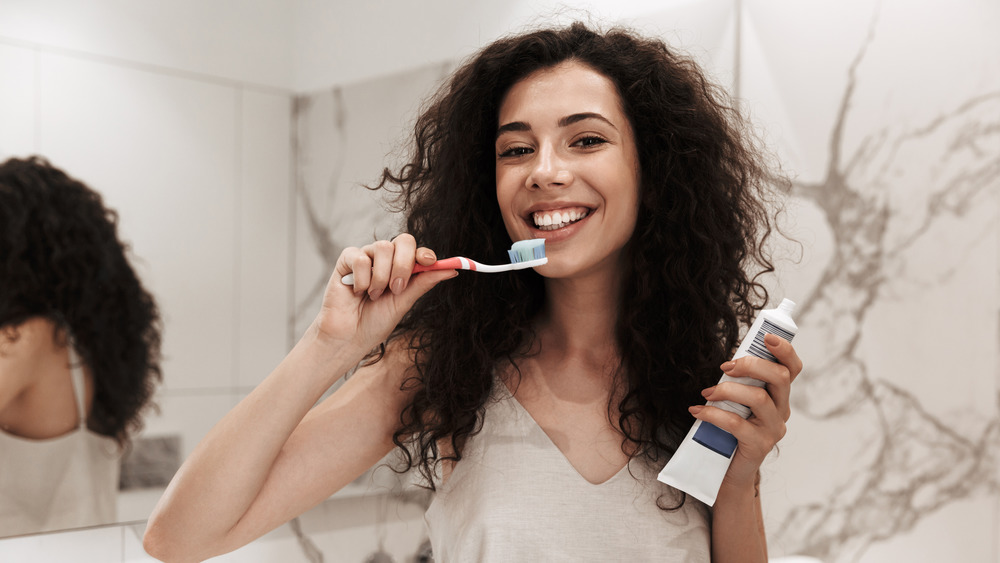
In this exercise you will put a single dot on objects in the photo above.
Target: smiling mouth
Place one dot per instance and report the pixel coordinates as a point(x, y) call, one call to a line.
point(557, 219)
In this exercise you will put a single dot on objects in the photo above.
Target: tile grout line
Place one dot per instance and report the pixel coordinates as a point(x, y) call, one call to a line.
point(293, 179)
point(239, 192)
point(37, 71)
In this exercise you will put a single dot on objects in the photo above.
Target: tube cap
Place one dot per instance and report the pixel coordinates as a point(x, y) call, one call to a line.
point(715, 439)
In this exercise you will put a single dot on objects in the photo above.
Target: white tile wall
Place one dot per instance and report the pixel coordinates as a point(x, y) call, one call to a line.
point(264, 235)
point(244, 43)
point(17, 101)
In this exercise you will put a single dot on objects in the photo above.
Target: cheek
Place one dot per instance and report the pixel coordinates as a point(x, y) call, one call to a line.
point(627, 212)
point(505, 200)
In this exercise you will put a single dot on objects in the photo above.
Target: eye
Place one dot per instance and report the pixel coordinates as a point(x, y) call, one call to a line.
point(515, 151)
point(589, 141)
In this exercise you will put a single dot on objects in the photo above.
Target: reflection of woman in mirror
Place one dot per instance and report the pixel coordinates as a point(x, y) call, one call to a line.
point(541, 404)
point(79, 351)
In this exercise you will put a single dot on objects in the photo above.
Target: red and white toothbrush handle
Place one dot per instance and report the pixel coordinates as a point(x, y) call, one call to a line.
point(456, 263)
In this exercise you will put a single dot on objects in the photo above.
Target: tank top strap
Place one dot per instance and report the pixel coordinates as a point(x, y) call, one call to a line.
point(79, 386)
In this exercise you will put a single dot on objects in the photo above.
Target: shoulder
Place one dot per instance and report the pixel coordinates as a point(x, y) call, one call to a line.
point(37, 335)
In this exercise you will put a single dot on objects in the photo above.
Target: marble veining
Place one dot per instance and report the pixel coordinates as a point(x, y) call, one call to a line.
point(312, 553)
point(915, 461)
point(344, 138)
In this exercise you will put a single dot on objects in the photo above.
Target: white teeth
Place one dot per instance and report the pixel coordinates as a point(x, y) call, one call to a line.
point(551, 220)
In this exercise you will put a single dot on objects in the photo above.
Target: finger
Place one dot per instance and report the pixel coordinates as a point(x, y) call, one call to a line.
point(382, 259)
point(758, 400)
point(776, 377)
point(760, 369)
point(743, 430)
point(354, 261)
point(426, 256)
point(753, 435)
point(785, 353)
point(402, 262)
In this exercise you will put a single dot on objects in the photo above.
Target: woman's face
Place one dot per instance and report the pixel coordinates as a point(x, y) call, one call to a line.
point(567, 168)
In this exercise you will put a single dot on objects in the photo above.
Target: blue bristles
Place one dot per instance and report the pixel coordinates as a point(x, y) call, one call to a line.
point(524, 250)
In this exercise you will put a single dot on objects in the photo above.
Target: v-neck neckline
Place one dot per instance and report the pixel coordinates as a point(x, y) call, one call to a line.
point(509, 395)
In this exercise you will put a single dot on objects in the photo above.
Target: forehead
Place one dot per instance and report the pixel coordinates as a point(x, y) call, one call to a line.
point(565, 89)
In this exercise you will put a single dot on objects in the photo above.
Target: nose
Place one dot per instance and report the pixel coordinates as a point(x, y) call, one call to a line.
point(549, 170)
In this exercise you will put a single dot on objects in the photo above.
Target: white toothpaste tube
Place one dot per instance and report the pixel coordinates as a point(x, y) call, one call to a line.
point(700, 463)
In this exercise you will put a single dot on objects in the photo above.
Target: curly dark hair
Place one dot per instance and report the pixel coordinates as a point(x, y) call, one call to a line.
point(694, 260)
point(61, 259)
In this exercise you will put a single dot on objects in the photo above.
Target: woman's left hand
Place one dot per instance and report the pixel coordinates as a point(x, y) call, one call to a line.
point(758, 434)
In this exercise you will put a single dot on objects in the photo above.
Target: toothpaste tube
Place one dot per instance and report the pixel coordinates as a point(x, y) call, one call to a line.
point(700, 463)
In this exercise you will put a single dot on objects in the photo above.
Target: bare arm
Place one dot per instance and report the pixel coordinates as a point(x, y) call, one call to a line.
point(272, 458)
point(737, 520)
point(738, 526)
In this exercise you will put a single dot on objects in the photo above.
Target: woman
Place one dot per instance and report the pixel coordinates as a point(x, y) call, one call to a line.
point(540, 405)
point(79, 351)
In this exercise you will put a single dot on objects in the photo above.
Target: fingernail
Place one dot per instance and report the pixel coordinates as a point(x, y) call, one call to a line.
point(426, 255)
point(696, 409)
point(772, 339)
point(708, 392)
point(728, 366)
point(398, 285)
point(375, 294)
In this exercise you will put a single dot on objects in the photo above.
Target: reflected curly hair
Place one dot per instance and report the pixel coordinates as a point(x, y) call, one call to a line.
point(694, 260)
point(61, 259)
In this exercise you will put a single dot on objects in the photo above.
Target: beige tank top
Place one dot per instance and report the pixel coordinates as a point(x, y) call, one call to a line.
point(57, 483)
point(515, 497)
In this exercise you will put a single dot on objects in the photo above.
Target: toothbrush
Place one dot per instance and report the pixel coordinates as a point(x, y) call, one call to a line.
point(523, 254)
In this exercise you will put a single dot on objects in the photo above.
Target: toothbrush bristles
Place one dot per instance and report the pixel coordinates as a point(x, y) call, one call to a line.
point(524, 250)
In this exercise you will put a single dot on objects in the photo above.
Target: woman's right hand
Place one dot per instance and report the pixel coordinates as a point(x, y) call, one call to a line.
point(363, 315)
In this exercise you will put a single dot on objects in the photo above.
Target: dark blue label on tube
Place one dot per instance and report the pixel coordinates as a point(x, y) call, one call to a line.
point(715, 439)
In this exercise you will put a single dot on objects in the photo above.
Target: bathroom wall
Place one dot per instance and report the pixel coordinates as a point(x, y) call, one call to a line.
point(886, 115)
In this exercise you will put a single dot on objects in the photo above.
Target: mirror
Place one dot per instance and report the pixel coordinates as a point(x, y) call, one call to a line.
point(891, 141)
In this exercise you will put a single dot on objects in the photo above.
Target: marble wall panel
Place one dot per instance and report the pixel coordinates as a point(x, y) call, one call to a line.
point(344, 138)
point(887, 117)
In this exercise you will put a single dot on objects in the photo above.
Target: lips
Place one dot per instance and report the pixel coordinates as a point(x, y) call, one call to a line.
point(552, 219)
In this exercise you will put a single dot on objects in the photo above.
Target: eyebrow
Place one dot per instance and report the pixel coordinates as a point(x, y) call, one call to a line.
point(563, 122)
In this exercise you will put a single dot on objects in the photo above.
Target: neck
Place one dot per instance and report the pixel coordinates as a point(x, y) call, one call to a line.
point(575, 357)
point(579, 321)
